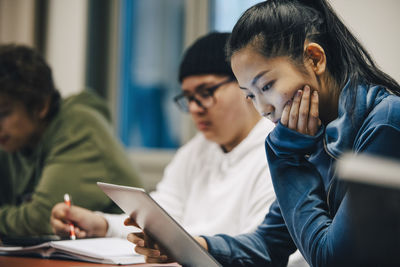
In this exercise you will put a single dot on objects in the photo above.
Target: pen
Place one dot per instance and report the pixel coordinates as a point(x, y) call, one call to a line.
point(67, 200)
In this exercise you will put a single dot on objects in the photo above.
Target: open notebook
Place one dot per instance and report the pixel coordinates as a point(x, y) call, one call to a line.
point(98, 250)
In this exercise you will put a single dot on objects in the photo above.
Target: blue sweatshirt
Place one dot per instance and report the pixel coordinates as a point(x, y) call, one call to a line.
point(312, 210)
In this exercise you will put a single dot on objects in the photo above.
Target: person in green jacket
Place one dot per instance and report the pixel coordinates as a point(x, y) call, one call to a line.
point(50, 146)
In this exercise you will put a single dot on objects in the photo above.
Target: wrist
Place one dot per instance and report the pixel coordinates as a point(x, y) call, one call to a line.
point(101, 226)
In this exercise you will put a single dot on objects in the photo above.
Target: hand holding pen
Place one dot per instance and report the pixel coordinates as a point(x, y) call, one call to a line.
point(86, 223)
point(67, 201)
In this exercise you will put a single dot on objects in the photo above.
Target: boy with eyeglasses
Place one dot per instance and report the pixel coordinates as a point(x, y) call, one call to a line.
point(219, 181)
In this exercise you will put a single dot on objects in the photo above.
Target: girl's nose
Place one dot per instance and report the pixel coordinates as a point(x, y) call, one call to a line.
point(264, 108)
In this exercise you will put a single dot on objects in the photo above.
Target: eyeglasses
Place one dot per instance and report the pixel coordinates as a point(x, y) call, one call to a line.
point(204, 97)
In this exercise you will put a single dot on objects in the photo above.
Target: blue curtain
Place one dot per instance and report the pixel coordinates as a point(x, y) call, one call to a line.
point(151, 46)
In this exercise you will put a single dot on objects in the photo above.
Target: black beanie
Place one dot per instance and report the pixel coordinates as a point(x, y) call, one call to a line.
point(206, 56)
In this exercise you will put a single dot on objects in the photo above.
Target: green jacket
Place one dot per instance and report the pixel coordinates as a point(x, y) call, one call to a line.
point(77, 149)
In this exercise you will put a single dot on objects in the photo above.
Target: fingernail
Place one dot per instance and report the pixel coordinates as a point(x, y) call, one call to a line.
point(306, 88)
point(315, 93)
point(299, 93)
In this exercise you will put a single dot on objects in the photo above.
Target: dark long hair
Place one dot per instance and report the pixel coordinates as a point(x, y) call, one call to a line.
point(25, 76)
point(280, 28)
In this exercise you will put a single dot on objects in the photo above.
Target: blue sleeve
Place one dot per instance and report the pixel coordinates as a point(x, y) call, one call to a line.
point(324, 239)
point(269, 245)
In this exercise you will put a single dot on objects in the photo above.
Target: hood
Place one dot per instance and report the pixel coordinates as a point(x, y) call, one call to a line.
point(90, 99)
point(340, 134)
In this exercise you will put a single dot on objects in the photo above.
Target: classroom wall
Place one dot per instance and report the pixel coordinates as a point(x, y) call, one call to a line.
point(66, 44)
point(16, 21)
point(376, 24)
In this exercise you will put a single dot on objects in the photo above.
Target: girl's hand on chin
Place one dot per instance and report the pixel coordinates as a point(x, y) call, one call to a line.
point(301, 114)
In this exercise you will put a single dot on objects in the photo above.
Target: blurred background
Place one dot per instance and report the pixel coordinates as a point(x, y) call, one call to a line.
point(128, 51)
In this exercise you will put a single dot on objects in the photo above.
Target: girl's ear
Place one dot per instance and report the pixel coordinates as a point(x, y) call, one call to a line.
point(315, 54)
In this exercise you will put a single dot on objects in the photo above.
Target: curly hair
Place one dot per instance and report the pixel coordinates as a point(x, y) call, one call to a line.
point(25, 76)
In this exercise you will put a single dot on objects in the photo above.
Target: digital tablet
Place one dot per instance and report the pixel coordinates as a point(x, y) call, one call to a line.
point(159, 225)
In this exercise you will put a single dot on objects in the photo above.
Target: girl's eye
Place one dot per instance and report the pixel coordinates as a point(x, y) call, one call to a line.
point(266, 87)
point(251, 96)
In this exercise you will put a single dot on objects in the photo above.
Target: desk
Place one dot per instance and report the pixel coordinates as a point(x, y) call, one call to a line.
point(9, 261)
